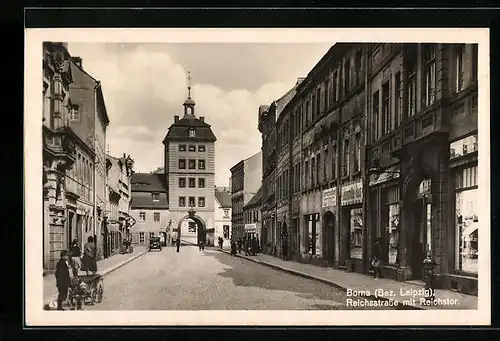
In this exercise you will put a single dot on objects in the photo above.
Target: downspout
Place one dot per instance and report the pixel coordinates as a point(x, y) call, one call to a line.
point(96, 161)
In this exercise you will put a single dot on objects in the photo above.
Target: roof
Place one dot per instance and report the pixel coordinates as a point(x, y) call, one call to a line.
point(179, 131)
point(223, 197)
point(145, 201)
point(286, 98)
point(148, 182)
point(256, 199)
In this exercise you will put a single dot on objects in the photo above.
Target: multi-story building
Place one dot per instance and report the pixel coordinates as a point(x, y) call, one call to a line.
point(253, 217)
point(59, 152)
point(388, 151)
point(149, 208)
point(126, 164)
point(190, 174)
point(222, 214)
point(89, 120)
point(246, 179)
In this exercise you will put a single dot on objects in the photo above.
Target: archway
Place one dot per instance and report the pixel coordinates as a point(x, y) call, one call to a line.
point(329, 237)
point(201, 229)
point(416, 212)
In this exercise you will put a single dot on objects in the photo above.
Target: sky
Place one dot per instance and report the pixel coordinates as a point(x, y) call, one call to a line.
point(144, 86)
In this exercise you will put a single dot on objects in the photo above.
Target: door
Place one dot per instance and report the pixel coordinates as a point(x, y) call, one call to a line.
point(419, 239)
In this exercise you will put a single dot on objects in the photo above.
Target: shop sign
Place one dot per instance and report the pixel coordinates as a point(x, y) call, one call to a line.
point(389, 174)
point(250, 227)
point(330, 197)
point(352, 193)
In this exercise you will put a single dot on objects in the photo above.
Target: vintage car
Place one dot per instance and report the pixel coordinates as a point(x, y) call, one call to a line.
point(154, 243)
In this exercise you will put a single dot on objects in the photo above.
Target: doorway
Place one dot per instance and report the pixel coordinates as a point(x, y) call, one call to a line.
point(329, 239)
point(421, 242)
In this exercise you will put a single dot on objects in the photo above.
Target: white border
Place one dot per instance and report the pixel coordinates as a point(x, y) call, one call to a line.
point(36, 316)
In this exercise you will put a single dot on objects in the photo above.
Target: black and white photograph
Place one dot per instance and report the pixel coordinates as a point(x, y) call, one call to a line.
point(258, 177)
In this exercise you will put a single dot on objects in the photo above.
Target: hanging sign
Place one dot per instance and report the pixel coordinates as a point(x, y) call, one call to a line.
point(352, 193)
point(389, 174)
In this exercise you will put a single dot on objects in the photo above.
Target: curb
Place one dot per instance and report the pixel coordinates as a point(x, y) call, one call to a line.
point(321, 280)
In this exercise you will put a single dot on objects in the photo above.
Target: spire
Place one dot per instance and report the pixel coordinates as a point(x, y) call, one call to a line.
point(189, 102)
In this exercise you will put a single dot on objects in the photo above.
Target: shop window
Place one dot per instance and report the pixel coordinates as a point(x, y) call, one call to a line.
point(356, 233)
point(466, 220)
point(141, 237)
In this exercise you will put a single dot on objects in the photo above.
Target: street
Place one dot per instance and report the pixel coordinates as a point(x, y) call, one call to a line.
point(211, 280)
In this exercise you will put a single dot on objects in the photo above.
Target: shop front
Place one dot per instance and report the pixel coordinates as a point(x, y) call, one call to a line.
point(353, 225)
point(251, 231)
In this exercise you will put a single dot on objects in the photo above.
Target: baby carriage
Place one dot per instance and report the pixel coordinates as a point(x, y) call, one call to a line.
point(85, 290)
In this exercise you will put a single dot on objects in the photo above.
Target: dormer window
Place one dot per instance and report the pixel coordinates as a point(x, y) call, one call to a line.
point(74, 114)
point(192, 132)
point(156, 197)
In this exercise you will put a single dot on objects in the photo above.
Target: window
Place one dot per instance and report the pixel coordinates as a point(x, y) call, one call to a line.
point(201, 201)
point(182, 147)
point(151, 234)
point(398, 97)
point(327, 95)
point(182, 164)
point(156, 197)
point(201, 148)
point(74, 114)
point(192, 132)
point(225, 229)
point(192, 164)
point(201, 183)
point(466, 220)
point(318, 101)
point(142, 216)
point(201, 164)
point(192, 226)
point(412, 88)
point(226, 213)
point(345, 158)
point(192, 148)
point(358, 67)
point(182, 182)
point(318, 167)
point(157, 217)
point(375, 111)
point(356, 233)
point(357, 153)
point(313, 171)
point(347, 76)
point(306, 116)
point(192, 182)
point(386, 109)
point(182, 201)
point(430, 73)
point(459, 67)
point(334, 88)
point(141, 237)
point(334, 161)
point(192, 202)
point(306, 174)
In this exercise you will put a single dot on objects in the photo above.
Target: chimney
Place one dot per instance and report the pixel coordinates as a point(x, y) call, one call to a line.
point(77, 61)
point(176, 118)
point(202, 118)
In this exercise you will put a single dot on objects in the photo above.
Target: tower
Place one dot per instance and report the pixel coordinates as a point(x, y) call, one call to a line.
point(190, 171)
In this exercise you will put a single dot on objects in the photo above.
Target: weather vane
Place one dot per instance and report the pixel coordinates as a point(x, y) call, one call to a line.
point(189, 84)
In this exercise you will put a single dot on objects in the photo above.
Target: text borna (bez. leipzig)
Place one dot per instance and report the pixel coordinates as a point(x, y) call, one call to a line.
point(385, 293)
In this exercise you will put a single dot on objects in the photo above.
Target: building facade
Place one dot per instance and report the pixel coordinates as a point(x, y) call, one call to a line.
point(149, 208)
point(222, 214)
point(59, 152)
point(383, 145)
point(253, 217)
point(89, 120)
point(246, 179)
point(190, 174)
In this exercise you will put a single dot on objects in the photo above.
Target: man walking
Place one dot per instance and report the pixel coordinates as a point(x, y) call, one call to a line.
point(178, 244)
point(63, 278)
point(240, 244)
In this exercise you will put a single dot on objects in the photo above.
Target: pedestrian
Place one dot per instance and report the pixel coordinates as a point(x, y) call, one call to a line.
point(245, 245)
point(233, 248)
point(178, 244)
point(89, 260)
point(63, 278)
point(284, 247)
point(221, 242)
point(376, 262)
point(201, 245)
point(75, 253)
point(240, 244)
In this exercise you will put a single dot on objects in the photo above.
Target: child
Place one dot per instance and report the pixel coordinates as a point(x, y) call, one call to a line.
point(63, 278)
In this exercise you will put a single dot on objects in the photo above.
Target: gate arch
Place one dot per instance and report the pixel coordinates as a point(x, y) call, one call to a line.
point(201, 228)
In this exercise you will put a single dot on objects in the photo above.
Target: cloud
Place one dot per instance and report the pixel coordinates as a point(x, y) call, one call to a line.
point(145, 85)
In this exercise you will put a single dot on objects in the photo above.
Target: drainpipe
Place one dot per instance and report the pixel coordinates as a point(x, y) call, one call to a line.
point(96, 161)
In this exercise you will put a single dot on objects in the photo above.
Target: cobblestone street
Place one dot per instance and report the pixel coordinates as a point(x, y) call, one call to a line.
point(211, 280)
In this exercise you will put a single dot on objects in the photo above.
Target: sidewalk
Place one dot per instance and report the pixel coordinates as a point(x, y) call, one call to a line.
point(104, 267)
point(359, 283)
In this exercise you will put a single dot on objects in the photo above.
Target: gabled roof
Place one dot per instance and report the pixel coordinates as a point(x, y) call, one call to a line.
point(146, 201)
point(223, 197)
point(179, 131)
point(256, 199)
point(148, 182)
